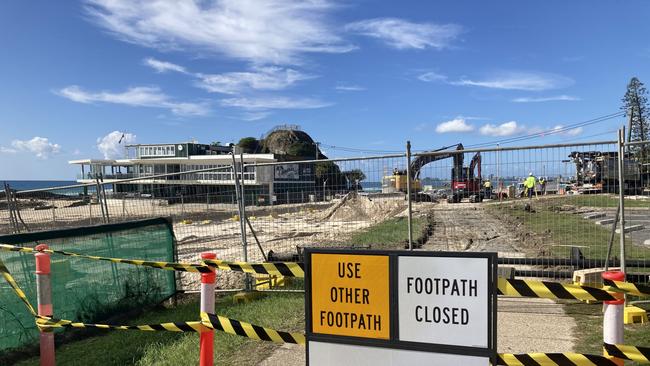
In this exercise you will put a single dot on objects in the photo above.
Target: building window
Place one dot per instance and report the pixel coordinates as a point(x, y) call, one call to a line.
point(166, 150)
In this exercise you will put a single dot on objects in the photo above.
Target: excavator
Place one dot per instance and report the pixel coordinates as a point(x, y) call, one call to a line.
point(464, 183)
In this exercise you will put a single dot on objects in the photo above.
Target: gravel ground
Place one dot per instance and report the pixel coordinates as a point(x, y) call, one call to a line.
point(525, 326)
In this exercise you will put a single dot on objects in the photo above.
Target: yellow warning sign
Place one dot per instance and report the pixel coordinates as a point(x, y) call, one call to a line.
point(350, 295)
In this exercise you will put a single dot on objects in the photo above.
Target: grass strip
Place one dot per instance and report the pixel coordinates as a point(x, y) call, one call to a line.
point(601, 200)
point(277, 310)
point(561, 230)
point(388, 234)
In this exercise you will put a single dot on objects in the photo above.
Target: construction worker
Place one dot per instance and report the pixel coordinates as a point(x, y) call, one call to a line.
point(529, 184)
point(487, 185)
point(542, 185)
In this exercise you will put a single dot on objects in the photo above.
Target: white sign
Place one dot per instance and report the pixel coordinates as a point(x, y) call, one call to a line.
point(443, 300)
point(321, 353)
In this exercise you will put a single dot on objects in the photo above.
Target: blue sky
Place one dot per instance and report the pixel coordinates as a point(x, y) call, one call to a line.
point(370, 75)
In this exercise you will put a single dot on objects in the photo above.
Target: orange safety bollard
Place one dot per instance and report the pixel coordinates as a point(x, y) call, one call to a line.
point(206, 341)
point(44, 299)
point(613, 312)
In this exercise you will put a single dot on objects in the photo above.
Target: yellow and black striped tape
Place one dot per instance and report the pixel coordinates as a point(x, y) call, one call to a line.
point(627, 287)
point(510, 287)
point(184, 267)
point(248, 330)
point(48, 323)
point(286, 269)
point(632, 353)
point(552, 359)
point(14, 286)
point(236, 327)
point(552, 290)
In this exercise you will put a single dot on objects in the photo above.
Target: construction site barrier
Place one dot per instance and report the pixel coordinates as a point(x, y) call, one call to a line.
point(552, 359)
point(211, 321)
point(510, 287)
point(193, 326)
point(243, 329)
point(631, 353)
point(553, 290)
point(626, 287)
point(172, 266)
point(286, 269)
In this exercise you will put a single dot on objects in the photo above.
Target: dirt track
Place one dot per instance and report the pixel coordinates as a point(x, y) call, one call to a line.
point(468, 227)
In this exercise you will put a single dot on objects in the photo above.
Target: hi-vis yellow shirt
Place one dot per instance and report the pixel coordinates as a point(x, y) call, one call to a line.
point(530, 182)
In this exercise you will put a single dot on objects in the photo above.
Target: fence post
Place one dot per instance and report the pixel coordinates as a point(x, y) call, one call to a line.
point(613, 312)
point(408, 193)
point(241, 206)
point(123, 207)
point(44, 300)
point(621, 196)
point(206, 340)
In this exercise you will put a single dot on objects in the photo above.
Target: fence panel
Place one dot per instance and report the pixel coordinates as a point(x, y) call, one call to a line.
point(361, 202)
point(341, 202)
point(85, 290)
point(636, 174)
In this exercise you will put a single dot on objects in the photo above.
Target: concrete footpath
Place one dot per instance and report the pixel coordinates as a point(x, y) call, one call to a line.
point(524, 326)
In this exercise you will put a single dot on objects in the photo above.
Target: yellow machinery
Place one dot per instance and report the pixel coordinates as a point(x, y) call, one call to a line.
point(398, 183)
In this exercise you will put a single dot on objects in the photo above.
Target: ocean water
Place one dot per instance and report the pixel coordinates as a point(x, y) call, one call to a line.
point(21, 185)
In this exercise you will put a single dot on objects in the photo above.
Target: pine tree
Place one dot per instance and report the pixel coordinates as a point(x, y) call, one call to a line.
point(635, 103)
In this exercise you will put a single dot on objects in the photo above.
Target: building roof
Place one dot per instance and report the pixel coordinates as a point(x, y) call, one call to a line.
point(192, 159)
point(92, 161)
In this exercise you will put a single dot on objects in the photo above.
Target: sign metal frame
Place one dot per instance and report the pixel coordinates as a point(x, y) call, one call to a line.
point(393, 271)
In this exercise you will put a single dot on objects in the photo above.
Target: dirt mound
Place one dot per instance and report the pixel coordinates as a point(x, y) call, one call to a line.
point(361, 208)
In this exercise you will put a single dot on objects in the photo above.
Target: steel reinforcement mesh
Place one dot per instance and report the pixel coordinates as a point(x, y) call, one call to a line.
point(87, 290)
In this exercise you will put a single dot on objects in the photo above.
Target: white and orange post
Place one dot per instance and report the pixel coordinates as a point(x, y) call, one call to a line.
point(613, 312)
point(44, 300)
point(208, 281)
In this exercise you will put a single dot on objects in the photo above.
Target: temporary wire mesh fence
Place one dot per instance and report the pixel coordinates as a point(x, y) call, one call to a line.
point(566, 223)
point(87, 290)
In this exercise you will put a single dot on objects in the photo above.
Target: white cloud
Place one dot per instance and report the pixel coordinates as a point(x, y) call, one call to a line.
point(270, 31)
point(7, 150)
point(112, 145)
point(402, 34)
point(140, 96)
point(254, 116)
point(527, 81)
point(559, 129)
point(432, 77)
point(163, 66)
point(40, 146)
point(260, 78)
point(455, 125)
point(567, 98)
point(574, 132)
point(263, 103)
point(504, 129)
point(349, 87)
